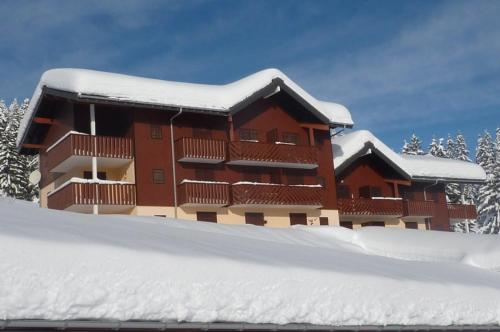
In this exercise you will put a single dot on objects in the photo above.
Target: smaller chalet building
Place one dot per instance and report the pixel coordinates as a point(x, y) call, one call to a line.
point(378, 187)
point(254, 151)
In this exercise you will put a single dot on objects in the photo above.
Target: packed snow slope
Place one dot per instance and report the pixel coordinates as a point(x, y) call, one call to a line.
point(60, 265)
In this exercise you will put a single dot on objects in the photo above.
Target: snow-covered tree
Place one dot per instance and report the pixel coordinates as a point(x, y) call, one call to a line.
point(488, 204)
point(413, 147)
point(461, 150)
point(437, 149)
point(14, 168)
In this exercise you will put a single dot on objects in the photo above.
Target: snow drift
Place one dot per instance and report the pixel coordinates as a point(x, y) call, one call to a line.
point(60, 265)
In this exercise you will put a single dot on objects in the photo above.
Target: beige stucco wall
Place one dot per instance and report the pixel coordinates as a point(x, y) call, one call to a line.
point(390, 222)
point(274, 217)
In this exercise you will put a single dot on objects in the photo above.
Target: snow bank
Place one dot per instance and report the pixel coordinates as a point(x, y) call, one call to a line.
point(346, 148)
point(60, 265)
point(167, 93)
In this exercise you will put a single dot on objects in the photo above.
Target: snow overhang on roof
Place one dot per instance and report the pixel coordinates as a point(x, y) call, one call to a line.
point(229, 98)
point(351, 146)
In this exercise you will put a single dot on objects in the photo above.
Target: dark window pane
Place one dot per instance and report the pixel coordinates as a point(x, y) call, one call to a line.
point(343, 191)
point(298, 219)
point(88, 175)
point(290, 138)
point(323, 221)
point(272, 136)
point(206, 216)
point(373, 223)
point(255, 218)
point(248, 134)
point(158, 176)
point(156, 132)
point(411, 225)
point(376, 192)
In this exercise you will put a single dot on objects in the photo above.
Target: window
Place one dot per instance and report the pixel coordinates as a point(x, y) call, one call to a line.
point(248, 134)
point(156, 132)
point(434, 196)
point(294, 179)
point(255, 218)
point(319, 139)
point(323, 221)
point(373, 223)
point(409, 195)
point(298, 218)
point(346, 224)
point(204, 174)
point(272, 136)
point(292, 138)
point(343, 191)
point(411, 225)
point(88, 175)
point(206, 216)
point(158, 176)
point(202, 133)
point(369, 192)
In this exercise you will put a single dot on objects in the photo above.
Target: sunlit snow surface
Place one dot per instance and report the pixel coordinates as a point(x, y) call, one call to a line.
point(60, 265)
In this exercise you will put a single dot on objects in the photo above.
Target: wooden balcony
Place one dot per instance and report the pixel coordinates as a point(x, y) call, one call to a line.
point(80, 197)
point(198, 150)
point(462, 211)
point(203, 194)
point(77, 150)
point(246, 195)
point(273, 155)
point(370, 207)
point(418, 208)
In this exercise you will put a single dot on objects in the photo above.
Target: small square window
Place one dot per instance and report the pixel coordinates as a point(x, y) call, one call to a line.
point(156, 132)
point(323, 221)
point(158, 176)
point(248, 134)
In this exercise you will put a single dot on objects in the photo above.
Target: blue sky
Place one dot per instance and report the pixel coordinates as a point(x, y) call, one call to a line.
point(429, 67)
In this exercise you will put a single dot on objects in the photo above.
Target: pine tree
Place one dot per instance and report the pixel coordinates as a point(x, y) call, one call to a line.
point(487, 196)
point(15, 168)
point(436, 148)
point(414, 147)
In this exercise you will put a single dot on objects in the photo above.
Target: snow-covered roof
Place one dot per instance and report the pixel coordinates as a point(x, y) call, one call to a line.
point(218, 98)
point(58, 265)
point(349, 147)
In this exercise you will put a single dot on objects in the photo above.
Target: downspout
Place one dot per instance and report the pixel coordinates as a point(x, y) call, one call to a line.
point(425, 194)
point(172, 148)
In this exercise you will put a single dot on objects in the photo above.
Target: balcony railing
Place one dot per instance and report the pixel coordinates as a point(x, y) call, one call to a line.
point(87, 145)
point(418, 208)
point(91, 194)
point(368, 206)
point(200, 150)
point(277, 195)
point(273, 155)
point(199, 193)
point(462, 211)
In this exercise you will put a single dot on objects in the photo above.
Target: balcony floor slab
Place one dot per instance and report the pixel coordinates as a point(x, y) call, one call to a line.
point(86, 161)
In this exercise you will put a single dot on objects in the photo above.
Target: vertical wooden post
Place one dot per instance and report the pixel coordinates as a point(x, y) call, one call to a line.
point(95, 207)
point(231, 128)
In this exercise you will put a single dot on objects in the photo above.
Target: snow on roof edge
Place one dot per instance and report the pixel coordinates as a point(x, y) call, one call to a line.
point(346, 148)
point(126, 88)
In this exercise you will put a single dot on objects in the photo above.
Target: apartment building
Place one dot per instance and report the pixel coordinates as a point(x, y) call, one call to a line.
point(255, 151)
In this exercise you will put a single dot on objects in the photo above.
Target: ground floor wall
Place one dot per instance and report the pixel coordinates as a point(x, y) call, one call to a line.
point(358, 222)
point(274, 217)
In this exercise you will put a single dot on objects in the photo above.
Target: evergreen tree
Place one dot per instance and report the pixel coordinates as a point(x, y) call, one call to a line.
point(461, 151)
point(487, 195)
point(14, 168)
point(436, 148)
point(414, 147)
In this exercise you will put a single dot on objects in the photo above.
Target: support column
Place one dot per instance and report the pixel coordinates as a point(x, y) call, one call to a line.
point(95, 207)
